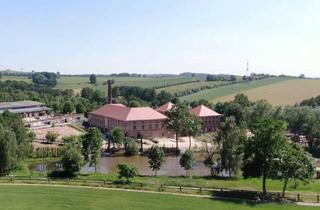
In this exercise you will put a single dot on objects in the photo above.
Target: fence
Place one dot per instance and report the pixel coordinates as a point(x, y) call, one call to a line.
point(215, 192)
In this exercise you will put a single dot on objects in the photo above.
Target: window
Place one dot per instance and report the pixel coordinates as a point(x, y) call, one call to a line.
point(157, 125)
point(134, 127)
point(150, 126)
point(142, 127)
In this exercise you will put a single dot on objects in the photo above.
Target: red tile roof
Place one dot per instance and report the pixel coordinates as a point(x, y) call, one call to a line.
point(165, 107)
point(203, 111)
point(123, 113)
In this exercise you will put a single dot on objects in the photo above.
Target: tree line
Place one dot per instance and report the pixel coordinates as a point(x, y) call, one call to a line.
point(252, 141)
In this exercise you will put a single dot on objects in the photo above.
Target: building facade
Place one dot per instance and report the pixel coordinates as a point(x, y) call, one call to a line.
point(210, 119)
point(27, 109)
point(136, 121)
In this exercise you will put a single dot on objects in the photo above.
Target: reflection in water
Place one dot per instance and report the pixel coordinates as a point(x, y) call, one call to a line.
point(169, 168)
point(44, 167)
point(109, 165)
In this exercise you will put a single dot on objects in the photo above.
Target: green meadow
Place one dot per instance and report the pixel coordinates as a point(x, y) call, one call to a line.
point(16, 197)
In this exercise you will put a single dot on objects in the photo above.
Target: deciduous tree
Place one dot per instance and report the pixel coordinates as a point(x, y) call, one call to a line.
point(263, 148)
point(229, 137)
point(187, 161)
point(8, 150)
point(176, 121)
point(192, 127)
point(116, 136)
point(91, 146)
point(293, 164)
point(156, 158)
point(71, 159)
point(93, 79)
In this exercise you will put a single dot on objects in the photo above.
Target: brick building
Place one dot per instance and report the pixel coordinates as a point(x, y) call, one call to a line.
point(210, 119)
point(165, 107)
point(135, 121)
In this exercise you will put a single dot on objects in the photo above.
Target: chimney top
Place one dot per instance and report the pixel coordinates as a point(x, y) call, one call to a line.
point(109, 101)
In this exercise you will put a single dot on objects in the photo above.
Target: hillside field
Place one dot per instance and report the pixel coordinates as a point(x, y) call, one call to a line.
point(211, 94)
point(67, 197)
point(189, 86)
point(283, 93)
point(277, 90)
point(78, 82)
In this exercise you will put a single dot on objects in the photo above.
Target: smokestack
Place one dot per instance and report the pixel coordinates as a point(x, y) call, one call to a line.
point(109, 92)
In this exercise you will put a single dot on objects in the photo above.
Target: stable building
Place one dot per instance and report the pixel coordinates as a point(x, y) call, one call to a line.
point(27, 109)
point(136, 121)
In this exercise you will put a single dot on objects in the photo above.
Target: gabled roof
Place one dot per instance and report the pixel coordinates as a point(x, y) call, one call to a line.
point(19, 104)
point(165, 107)
point(123, 113)
point(203, 111)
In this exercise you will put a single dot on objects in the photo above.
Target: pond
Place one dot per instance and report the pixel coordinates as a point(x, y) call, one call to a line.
point(170, 167)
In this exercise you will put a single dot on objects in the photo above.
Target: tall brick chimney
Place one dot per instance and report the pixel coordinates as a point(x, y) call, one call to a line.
point(109, 101)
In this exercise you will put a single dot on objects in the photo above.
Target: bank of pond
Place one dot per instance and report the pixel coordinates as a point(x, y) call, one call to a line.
point(170, 167)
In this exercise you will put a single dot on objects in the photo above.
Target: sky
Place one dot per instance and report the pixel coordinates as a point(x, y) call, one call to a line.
point(164, 36)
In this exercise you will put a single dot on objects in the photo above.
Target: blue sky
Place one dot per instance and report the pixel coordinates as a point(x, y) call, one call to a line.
point(165, 36)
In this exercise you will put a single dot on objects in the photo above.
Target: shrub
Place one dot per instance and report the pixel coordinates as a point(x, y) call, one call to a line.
point(126, 171)
point(51, 136)
point(131, 148)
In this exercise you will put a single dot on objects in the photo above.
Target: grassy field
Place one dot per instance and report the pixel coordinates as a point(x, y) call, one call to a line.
point(44, 197)
point(214, 93)
point(78, 82)
point(284, 93)
point(278, 91)
point(18, 78)
point(245, 184)
point(189, 86)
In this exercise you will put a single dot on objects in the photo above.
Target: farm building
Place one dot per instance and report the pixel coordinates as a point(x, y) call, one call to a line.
point(145, 121)
point(27, 109)
point(37, 115)
point(165, 107)
point(136, 121)
point(210, 119)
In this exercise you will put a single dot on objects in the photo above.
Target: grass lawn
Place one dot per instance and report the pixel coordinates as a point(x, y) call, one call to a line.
point(44, 197)
point(283, 93)
point(214, 93)
point(245, 184)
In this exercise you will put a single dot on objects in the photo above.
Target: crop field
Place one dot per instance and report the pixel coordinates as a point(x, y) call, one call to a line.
point(278, 91)
point(78, 82)
point(212, 94)
point(284, 93)
point(189, 86)
point(68, 197)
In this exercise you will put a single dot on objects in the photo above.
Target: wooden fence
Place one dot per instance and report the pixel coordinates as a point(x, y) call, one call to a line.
point(215, 192)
